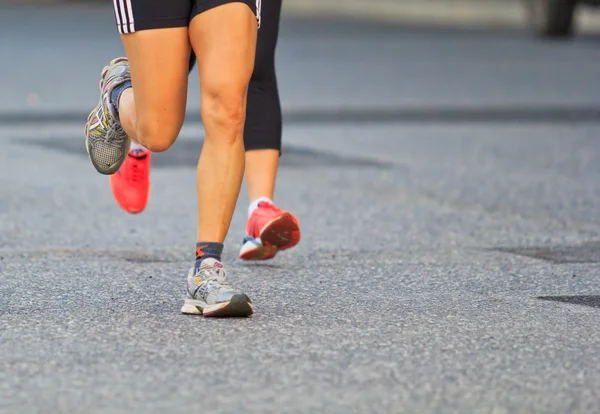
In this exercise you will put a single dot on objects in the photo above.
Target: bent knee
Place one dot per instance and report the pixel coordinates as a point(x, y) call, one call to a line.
point(157, 135)
point(158, 146)
point(224, 107)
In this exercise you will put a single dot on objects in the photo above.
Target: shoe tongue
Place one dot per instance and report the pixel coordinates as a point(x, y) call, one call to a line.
point(210, 263)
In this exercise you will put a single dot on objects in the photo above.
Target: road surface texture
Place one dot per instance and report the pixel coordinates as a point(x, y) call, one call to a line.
point(447, 182)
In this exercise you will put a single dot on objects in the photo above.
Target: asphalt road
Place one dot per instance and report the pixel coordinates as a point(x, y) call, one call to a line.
point(447, 183)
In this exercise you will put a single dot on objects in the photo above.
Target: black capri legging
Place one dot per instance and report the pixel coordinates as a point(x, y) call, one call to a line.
point(263, 114)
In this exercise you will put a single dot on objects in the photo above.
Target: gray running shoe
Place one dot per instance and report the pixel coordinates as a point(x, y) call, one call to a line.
point(106, 142)
point(209, 293)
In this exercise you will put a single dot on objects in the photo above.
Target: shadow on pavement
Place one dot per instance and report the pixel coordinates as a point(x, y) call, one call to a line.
point(429, 113)
point(185, 153)
point(593, 300)
point(582, 253)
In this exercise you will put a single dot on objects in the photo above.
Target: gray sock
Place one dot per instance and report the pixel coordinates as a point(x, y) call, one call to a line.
point(116, 93)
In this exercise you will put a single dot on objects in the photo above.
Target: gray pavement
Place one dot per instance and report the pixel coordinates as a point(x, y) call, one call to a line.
point(447, 183)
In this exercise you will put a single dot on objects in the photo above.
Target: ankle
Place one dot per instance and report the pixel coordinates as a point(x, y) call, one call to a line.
point(254, 205)
point(205, 250)
point(115, 95)
point(135, 147)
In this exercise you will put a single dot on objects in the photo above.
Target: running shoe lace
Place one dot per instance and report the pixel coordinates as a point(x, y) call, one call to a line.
point(115, 135)
point(216, 274)
point(213, 279)
point(135, 172)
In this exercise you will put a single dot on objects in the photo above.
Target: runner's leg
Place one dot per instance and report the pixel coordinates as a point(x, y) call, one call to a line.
point(224, 41)
point(269, 229)
point(262, 131)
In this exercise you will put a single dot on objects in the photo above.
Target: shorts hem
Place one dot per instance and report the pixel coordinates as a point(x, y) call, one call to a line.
point(152, 24)
point(258, 147)
point(211, 4)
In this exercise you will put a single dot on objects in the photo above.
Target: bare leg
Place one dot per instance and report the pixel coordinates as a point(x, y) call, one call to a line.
point(127, 113)
point(152, 112)
point(261, 173)
point(224, 40)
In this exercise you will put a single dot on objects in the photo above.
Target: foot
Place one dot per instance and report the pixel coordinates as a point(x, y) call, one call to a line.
point(106, 142)
point(269, 230)
point(131, 183)
point(209, 293)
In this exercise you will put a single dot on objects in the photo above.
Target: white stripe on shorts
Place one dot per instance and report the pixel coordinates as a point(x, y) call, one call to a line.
point(117, 14)
point(131, 19)
point(258, 5)
point(124, 16)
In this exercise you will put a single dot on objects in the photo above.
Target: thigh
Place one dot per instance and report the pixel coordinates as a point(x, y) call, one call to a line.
point(224, 41)
point(159, 61)
point(267, 36)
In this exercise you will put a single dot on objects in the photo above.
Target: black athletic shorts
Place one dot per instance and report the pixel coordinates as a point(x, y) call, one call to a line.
point(136, 15)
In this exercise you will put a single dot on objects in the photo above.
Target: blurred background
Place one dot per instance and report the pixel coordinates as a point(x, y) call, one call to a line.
point(443, 158)
point(437, 51)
